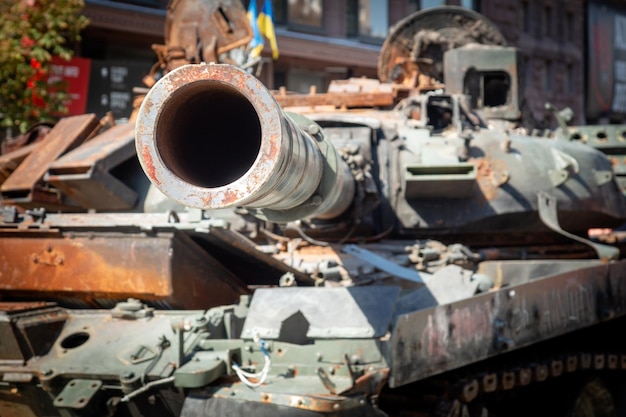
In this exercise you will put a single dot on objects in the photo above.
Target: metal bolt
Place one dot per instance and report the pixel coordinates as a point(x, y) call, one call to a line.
point(47, 372)
point(313, 129)
point(152, 400)
point(128, 375)
point(511, 294)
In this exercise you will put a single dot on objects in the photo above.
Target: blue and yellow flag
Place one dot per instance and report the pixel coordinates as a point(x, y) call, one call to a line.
point(266, 25)
point(256, 44)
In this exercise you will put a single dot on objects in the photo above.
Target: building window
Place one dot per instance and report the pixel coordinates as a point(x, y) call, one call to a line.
point(280, 78)
point(368, 20)
point(279, 8)
point(298, 13)
point(305, 12)
point(373, 18)
point(524, 17)
point(529, 68)
point(546, 22)
point(415, 5)
point(568, 27)
point(427, 4)
point(547, 76)
point(301, 81)
point(570, 79)
point(352, 19)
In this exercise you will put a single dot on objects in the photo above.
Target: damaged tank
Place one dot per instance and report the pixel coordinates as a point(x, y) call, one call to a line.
point(393, 247)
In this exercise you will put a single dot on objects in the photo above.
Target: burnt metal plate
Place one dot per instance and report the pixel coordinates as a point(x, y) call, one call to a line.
point(355, 312)
point(446, 337)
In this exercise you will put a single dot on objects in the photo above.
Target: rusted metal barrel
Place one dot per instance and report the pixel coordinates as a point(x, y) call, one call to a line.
point(211, 136)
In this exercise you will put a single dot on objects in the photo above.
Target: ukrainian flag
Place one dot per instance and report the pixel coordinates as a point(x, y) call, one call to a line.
point(266, 25)
point(256, 44)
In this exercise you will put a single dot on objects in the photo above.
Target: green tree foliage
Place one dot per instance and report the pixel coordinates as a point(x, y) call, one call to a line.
point(32, 32)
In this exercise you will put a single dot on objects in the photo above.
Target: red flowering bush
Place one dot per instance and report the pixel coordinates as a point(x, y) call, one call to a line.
point(31, 33)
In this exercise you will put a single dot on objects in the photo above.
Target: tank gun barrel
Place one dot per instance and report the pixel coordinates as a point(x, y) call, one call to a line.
point(211, 136)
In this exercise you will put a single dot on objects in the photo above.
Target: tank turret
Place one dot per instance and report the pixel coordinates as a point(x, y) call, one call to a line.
point(211, 136)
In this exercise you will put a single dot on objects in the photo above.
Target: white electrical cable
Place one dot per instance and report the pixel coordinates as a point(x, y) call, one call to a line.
point(146, 387)
point(260, 377)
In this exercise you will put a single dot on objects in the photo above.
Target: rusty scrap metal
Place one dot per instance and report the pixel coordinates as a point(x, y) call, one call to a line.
point(11, 160)
point(412, 54)
point(351, 93)
point(24, 187)
point(58, 267)
point(200, 31)
point(84, 173)
point(35, 134)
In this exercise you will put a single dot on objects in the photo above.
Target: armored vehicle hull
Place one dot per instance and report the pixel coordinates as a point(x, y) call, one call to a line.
point(382, 249)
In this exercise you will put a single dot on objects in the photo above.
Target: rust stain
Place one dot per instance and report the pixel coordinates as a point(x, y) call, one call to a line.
point(147, 159)
point(94, 268)
point(230, 197)
point(490, 175)
point(464, 327)
point(372, 381)
point(23, 305)
point(71, 266)
point(483, 177)
point(274, 148)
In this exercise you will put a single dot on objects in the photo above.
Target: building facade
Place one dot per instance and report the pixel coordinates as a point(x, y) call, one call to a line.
point(323, 40)
point(549, 35)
